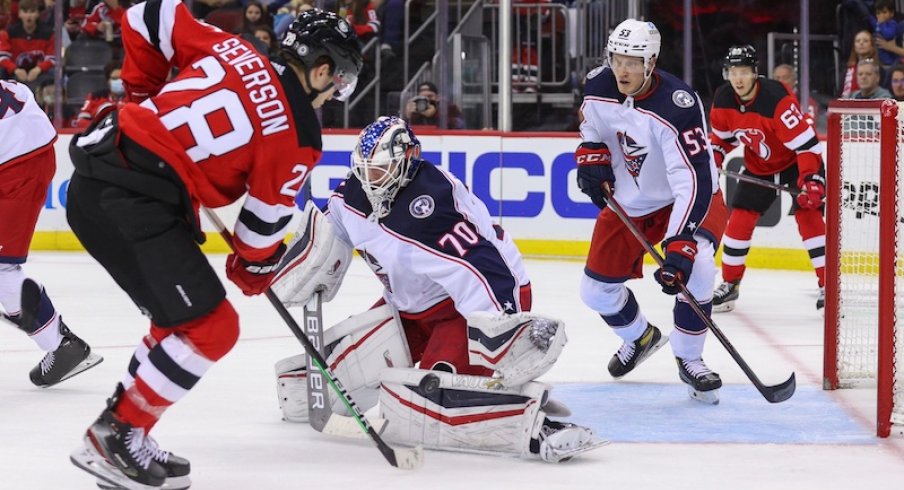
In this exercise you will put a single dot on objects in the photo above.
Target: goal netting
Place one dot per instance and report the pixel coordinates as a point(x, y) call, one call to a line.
point(863, 342)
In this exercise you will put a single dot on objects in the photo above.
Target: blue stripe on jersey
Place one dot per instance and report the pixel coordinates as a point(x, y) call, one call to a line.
point(438, 229)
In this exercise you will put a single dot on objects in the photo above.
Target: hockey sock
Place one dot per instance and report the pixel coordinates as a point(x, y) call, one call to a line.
point(812, 229)
point(176, 363)
point(736, 243)
point(690, 332)
point(628, 322)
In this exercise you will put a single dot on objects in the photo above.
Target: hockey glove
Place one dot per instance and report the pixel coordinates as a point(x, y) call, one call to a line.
point(253, 277)
point(680, 251)
point(594, 170)
point(812, 191)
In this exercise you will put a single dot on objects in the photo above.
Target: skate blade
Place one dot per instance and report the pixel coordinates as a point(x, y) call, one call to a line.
point(710, 397)
point(89, 362)
point(174, 483)
point(92, 462)
point(724, 307)
point(590, 446)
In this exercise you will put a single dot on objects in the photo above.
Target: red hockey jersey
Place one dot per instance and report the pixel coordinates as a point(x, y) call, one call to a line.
point(230, 122)
point(20, 49)
point(772, 128)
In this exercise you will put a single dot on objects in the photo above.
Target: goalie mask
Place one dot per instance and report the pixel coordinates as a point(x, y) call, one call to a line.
point(385, 160)
point(637, 39)
point(739, 56)
point(315, 34)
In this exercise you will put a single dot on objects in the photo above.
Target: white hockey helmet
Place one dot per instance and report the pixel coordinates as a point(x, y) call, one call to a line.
point(385, 160)
point(635, 38)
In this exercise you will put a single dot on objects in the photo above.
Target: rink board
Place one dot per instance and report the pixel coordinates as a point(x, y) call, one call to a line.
point(526, 180)
point(662, 412)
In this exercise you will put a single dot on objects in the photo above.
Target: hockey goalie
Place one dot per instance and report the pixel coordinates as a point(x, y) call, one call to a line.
point(455, 304)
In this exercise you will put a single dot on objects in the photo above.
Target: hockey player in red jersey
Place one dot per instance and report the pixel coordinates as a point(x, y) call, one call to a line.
point(780, 146)
point(27, 164)
point(231, 122)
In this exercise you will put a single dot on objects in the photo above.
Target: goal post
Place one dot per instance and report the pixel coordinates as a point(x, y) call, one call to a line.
point(863, 236)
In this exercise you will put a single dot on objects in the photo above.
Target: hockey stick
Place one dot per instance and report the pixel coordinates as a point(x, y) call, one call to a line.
point(773, 394)
point(405, 458)
point(318, 397)
point(760, 182)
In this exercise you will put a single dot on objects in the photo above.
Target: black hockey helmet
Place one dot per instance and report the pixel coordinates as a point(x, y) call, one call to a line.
point(741, 55)
point(315, 33)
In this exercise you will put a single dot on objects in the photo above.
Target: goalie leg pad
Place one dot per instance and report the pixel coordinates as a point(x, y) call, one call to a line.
point(519, 347)
point(316, 259)
point(357, 350)
point(456, 412)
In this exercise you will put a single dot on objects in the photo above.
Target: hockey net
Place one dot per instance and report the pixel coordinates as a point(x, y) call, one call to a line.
point(864, 344)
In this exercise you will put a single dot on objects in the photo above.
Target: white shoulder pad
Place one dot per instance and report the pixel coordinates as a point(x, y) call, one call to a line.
point(519, 347)
point(315, 260)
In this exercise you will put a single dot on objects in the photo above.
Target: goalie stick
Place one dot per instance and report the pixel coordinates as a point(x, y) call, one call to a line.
point(404, 458)
point(773, 394)
point(760, 182)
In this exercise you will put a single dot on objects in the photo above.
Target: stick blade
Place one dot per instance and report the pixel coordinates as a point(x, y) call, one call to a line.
point(409, 458)
point(779, 392)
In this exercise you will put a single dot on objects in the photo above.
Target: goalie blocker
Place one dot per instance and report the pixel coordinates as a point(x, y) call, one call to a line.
point(315, 260)
point(505, 414)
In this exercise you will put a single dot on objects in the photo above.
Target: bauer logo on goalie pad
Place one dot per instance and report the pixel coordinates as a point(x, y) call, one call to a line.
point(422, 206)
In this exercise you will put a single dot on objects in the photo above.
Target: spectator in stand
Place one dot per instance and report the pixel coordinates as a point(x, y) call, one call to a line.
point(74, 14)
point(105, 20)
point(287, 12)
point(27, 47)
point(887, 30)
point(45, 95)
point(863, 49)
point(787, 74)
point(265, 35)
point(362, 15)
point(253, 16)
point(9, 10)
point(896, 81)
point(423, 109)
point(868, 78)
point(391, 14)
point(100, 102)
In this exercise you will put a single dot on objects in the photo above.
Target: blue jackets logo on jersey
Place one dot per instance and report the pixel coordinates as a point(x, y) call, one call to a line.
point(635, 154)
point(376, 267)
point(422, 206)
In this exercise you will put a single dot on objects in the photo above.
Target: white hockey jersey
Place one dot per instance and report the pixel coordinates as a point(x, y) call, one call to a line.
point(660, 147)
point(437, 242)
point(24, 127)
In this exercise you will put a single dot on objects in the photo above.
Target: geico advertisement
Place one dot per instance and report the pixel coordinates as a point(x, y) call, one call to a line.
point(527, 182)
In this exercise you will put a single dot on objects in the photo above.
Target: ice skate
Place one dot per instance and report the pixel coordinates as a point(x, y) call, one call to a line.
point(821, 300)
point(702, 384)
point(561, 441)
point(630, 354)
point(725, 295)
point(119, 455)
point(72, 357)
point(177, 468)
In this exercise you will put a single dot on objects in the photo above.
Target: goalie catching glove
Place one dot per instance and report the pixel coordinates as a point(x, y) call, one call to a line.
point(316, 260)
